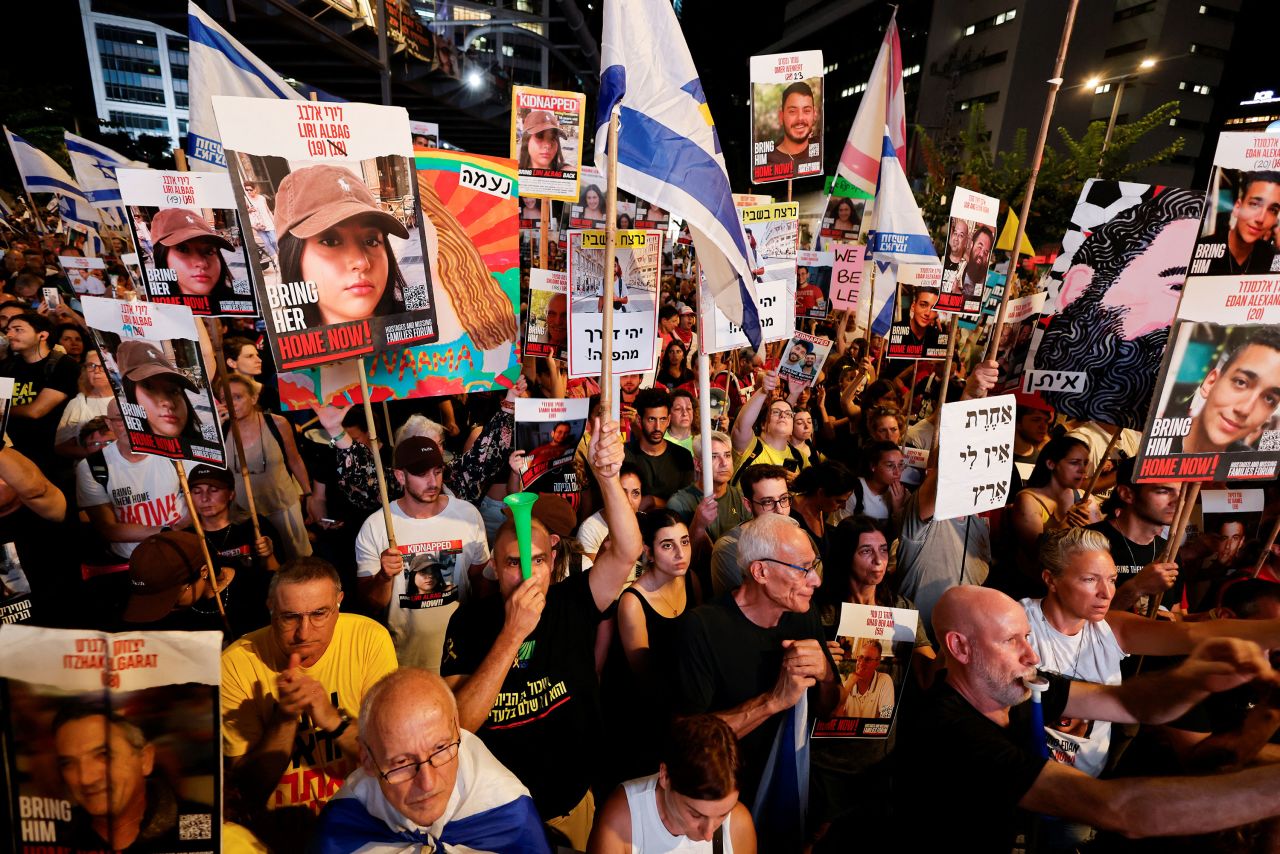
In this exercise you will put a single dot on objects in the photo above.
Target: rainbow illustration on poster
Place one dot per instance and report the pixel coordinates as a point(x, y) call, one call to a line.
point(470, 207)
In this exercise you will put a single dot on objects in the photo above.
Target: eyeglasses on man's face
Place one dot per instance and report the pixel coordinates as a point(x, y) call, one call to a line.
point(404, 773)
point(768, 504)
point(317, 618)
point(815, 567)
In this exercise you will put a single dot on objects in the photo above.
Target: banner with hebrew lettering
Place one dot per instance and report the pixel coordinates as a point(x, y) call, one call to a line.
point(1112, 292)
point(975, 456)
point(637, 257)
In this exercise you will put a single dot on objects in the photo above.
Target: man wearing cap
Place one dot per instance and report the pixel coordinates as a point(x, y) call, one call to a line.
point(43, 381)
point(428, 523)
point(684, 330)
point(170, 588)
point(129, 497)
point(229, 533)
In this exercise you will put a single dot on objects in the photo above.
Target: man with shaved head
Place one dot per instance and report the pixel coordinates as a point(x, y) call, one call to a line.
point(523, 665)
point(979, 742)
point(423, 782)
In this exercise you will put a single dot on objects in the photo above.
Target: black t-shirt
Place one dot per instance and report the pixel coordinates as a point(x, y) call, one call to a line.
point(664, 475)
point(977, 769)
point(545, 724)
point(1131, 557)
point(724, 660)
point(246, 596)
point(34, 436)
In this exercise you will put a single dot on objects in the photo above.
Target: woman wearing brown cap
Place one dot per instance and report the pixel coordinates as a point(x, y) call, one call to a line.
point(155, 383)
point(332, 233)
point(540, 141)
point(187, 245)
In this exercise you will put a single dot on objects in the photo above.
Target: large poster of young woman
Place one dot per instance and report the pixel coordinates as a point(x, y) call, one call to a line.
point(194, 251)
point(352, 278)
point(546, 141)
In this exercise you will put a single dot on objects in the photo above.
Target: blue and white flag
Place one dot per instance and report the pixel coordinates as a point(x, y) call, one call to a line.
point(40, 172)
point(668, 150)
point(898, 236)
point(95, 166)
point(220, 65)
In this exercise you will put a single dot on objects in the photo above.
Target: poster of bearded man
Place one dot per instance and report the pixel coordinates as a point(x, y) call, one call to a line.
point(1112, 294)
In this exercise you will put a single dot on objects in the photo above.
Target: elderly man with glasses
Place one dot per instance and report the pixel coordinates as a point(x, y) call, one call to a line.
point(755, 657)
point(425, 784)
point(291, 692)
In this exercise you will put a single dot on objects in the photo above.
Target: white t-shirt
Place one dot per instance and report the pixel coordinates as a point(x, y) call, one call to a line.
point(142, 493)
point(442, 548)
point(1096, 437)
point(649, 834)
point(872, 505)
point(1091, 655)
point(80, 409)
point(591, 533)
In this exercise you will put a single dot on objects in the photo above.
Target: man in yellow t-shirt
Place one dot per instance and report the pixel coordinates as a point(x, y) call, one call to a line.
point(771, 446)
point(291, 693)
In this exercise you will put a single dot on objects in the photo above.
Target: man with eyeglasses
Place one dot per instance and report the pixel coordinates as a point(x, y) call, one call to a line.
point(291, 694)
point(772, 446)
point(752, 655)
point(764, 490)
point(424, 783)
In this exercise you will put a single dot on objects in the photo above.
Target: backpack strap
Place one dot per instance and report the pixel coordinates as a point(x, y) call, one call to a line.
point(98, 468)
point(754, 454)
point(717, 840)
point(271, 428)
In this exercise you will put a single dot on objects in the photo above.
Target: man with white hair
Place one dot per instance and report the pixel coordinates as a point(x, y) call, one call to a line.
point(424, 784)
point(978, 741)
point(755, 653)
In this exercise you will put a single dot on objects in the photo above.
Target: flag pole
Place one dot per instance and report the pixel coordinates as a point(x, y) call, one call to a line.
point(544, 225)
point(1055, 83)
point(704, 391)
point(610, 253)
point(375, 446)
point(942, 394)
point(215, 335)
point(198, 529)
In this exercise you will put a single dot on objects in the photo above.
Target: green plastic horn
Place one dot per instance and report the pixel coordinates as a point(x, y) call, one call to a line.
point(521, 504)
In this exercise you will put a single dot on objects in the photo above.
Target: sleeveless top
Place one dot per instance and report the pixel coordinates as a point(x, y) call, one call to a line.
point(649, 835)
point(273, 485)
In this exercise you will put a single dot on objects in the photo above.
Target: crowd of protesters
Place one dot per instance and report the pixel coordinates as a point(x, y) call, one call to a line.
point(630, 694)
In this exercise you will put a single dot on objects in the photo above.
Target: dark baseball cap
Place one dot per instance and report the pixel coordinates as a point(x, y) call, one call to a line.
point(418, 455)
point(159, 568)
point(208, 474)
point(315, 198)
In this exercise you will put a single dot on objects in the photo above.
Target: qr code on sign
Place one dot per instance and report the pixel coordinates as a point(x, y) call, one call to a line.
point(196, 826)
point(1270, 441)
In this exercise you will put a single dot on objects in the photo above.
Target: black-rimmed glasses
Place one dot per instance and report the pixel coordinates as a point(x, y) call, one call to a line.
point(405, 773)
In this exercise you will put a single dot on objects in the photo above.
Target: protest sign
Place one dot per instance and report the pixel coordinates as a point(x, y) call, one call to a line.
point(848, 262)
point(546, 141)
point(104, 699)
point(975, 456)
point(352, 279)
point(1112, 293)
point(635, 301)
point(548, 331)
point(15, 589)
point(877, 643)
point(813, 283)
point(1015, 339)
point(469, 223)
point(775, 301)
point(1230, 520)
point(531, 211)
point(842, 220)
point(773, 232)
point(425, 134)
point(649, 215)
point(802, 359)
point(87, 276)
point(153, 359)
point(786, 116)
point(190, 241)
point(967, 255)
point(1214, 413)
point(917, 332)
point(548, 432)
point(588, 210)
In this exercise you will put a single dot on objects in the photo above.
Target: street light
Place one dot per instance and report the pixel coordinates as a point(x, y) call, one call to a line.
point(1121, 79)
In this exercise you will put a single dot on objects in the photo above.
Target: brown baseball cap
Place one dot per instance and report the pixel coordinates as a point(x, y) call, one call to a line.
point(159, 568)
point(172, 226)
point(539, 120)
point(314, 198)
point(418, 455)
point(139, 360)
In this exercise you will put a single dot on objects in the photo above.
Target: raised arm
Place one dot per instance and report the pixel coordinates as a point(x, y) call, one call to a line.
point(744, 424)
point(613, 566)
point(33, 488)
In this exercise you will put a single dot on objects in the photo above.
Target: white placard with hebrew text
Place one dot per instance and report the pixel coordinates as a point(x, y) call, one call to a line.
point(975, 456)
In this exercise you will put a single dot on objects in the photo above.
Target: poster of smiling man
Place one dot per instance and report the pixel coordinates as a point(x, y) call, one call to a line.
point(786, 116)
point(1112, 294)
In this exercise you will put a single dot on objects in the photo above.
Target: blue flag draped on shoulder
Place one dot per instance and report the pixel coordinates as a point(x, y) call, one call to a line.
point(220, 65)
point(898, 235)
point(95, 166)
point(668, 151)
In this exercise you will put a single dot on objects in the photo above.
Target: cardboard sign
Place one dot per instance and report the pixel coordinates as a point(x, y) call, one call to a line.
point(786, 116)
point(975, 457)
point(546, 141)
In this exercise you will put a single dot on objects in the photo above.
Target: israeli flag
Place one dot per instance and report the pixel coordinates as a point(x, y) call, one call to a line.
point(881, 105)
point(668, 150)
point(220, 65)
point(95, 166)
point(40, 172)
point(898, 235)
